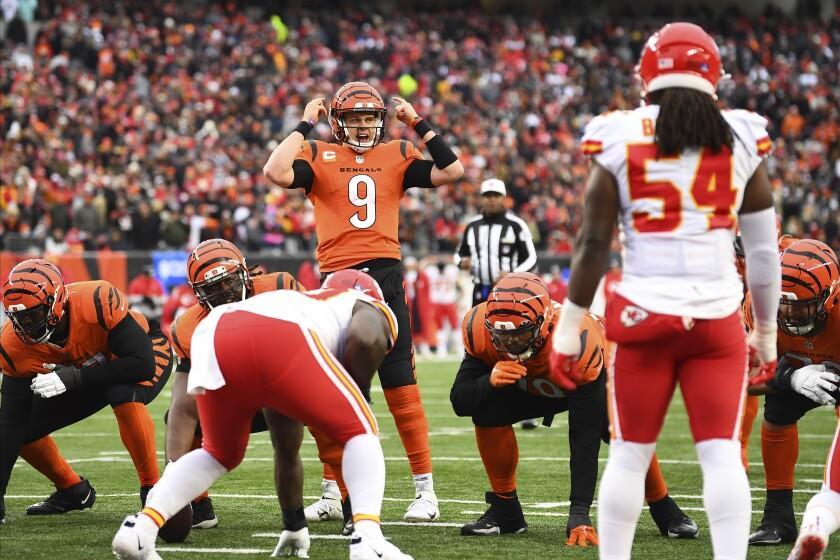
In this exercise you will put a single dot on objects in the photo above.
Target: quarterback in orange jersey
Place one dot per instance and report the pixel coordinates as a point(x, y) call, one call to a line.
point(505, 378)
point(806, 377)
point(356, 186)
point(66, 352)
point(218, 275)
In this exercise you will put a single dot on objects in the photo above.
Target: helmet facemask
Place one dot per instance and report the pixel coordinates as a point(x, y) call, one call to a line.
point(519, 342)
point(801, 317)
point(33, 325)
point(222, 287)
point(342, 128)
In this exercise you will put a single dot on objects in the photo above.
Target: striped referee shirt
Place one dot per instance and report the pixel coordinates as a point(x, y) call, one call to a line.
point(497, 243)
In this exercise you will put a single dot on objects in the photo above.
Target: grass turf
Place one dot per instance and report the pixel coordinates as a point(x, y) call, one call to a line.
point(250, 520)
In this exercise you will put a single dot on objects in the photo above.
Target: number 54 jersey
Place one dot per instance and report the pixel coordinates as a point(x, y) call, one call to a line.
point(678, 211)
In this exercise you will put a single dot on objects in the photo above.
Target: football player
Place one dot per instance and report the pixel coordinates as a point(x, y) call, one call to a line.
point(504, 378)
point(806, 378)
point(673, 173)
point(218, 275)
point(332, 341)
point(356, 186)
point(66, 352)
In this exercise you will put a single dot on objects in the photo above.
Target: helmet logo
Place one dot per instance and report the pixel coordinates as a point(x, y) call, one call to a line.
point(666, 63)
point(504, 325)
point(17, 307)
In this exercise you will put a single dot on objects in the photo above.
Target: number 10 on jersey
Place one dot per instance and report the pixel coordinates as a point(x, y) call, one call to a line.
point(368, 201)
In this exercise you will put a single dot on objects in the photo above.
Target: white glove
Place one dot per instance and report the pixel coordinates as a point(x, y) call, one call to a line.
point(293, 543)
point(48, 385)
point(815, 382)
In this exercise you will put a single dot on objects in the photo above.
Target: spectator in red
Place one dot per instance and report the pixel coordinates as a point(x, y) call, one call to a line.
point(556, 285)
point(180, 299)
point(146, 294)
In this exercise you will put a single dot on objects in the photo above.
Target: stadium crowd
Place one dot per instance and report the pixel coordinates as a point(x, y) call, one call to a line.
point(151, 131)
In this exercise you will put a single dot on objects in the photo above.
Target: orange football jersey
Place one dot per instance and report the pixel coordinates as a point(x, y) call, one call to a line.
point(94, 307)
point(185, 324)
point(478, 344)
point(357, 200)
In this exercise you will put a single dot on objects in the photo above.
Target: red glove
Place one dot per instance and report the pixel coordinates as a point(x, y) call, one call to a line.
point(507, 373)
point(583, 536)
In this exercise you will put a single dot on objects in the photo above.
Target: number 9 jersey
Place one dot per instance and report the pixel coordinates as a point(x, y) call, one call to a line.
point(678, 211)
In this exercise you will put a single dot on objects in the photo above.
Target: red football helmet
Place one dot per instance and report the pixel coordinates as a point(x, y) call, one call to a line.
point(519, 315)
point(352, 279)
point(358, 97)
point(218, 274)
point(34, 299)
point(810, 286)
point(680, 55)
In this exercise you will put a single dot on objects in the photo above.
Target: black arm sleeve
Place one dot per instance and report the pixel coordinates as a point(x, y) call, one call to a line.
point(784, 371)
point(417, 174)
point(587, 426)
point(15, 406)
point(184, 365)
point(471, 388)
point(303, 175)
point(135, 361)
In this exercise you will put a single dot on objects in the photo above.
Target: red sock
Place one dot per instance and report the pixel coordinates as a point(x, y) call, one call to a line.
point(137, 431)
point(780, 450)
point(410, 418)
point(655, 487)
point(44, 456)
point(500, 454)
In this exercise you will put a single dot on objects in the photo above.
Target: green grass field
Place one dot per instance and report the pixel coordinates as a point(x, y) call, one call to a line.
point(250, 520)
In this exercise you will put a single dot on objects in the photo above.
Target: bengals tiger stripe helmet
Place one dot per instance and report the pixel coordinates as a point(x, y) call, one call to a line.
point(810, 286)
point(519, 315)
point(218, 274)
point(34, 299)
point(358, 97)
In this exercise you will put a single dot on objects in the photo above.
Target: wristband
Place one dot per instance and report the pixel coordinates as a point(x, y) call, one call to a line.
point(421, 127)
point(294, 519)
point(304, 127)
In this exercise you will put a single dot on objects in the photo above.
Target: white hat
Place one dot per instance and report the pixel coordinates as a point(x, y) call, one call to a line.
point(493, 186)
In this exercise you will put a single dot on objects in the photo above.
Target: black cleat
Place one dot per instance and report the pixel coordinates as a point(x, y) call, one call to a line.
point(672, 521)
point(503, 517)
point(770, 534)
point(144, 494)
point(77, 497)
point(347, 512)
point(203, 516)
point(778, 524)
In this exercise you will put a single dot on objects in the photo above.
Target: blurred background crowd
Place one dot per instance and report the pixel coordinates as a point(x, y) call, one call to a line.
point(146, 125)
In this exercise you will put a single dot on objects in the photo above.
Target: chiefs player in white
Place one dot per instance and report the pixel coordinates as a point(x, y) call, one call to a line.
point(277, 350)
point(674, 173)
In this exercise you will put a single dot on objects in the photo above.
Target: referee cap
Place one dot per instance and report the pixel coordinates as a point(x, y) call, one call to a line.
point(496, 186)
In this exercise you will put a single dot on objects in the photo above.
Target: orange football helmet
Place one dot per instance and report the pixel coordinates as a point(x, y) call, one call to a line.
point(34, 299)
point(359, 97)
point(352, 279)
point(810, 286)
point(218, 274)
point(519, 315)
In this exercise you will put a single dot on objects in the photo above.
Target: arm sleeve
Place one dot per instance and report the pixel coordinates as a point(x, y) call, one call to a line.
point(418, 174)
point(587, 427)
point(303, 175)
point(525, 248)
point(15, 406)
point(184, 365)
point(134, 362)
point(471, 388)
point(764, 276)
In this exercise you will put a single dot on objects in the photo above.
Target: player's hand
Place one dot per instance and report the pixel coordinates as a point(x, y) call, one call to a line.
point(58, 380)
point(507, 373)
point(583, 536)
point(293, 543)
point(815, 382)
point(562, 360)
point(404, 111)
point(762, 353)
point(314, 109)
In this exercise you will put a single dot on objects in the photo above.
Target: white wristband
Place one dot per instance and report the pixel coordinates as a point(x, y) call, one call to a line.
point(568, 328)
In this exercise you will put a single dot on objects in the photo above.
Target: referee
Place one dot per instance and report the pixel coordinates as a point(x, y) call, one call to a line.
point(495, 243)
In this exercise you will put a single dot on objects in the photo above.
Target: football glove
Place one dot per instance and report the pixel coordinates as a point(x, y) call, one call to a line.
point(816, 383)
point(58, 380)
point(293, 543)
point(507, 373)
point(562, 361)
point(762, 353)
point(583, 536)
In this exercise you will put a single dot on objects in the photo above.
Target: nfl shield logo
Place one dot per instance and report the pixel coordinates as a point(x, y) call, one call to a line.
point(360, 159)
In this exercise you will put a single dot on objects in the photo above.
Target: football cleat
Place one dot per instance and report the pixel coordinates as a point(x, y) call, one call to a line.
point(77, 497)
point(809, 546)
point(328, 507)
point(130, 543)
point(771, 534)
point(366, 548)
point(203, 515)
point(672, 521)
point(423, 508)
point(503, 517)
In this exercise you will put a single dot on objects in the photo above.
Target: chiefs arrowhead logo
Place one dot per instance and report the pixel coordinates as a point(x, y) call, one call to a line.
point(632, 316)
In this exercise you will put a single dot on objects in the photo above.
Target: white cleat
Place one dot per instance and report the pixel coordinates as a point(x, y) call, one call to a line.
point(809, 546)
point(328, 508)
point(423, 508)
point(130, 543)
point(365, 548)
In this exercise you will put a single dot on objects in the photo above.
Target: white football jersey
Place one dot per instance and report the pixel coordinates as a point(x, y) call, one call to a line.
point(443, 286)
point(678, 214)
point(326, 312)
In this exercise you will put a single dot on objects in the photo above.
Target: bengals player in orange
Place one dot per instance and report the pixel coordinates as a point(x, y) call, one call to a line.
point(66, 352)
point(806, 375)
point(356, 186)
point(505, 378)
point(218, 274)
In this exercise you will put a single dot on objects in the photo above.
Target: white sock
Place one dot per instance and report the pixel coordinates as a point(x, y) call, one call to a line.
point(726, 496)
point(424, 483)
point(329, 488)
point(621, 497)
point(183, 481)
point(822, 514)
point(363, 467)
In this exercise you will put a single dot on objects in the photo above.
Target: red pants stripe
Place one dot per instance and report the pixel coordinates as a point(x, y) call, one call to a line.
point(832, 465)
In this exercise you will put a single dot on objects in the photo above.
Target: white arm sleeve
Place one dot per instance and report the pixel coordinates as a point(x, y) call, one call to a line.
point(764, 273)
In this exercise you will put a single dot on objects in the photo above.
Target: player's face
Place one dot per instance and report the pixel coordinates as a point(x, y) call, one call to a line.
point(227, 289)
point(514, 341)
point(798, 317)
point(492, 203)
point(361, 127)
point(31, 324)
